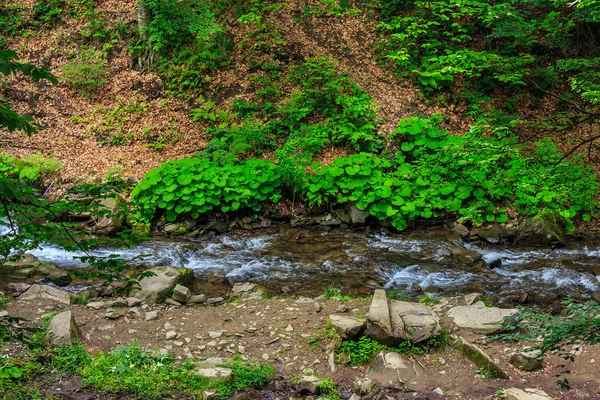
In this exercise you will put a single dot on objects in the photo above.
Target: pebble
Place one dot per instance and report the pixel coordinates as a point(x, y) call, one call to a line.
point(265, 356)
point(168, 326)
point(187, 339)
point(178, 344)
point(241, 349)
point(171, 335)
point(215, 334)
point(289, 328)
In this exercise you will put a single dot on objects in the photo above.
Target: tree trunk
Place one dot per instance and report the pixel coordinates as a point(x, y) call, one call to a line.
point(145, 58)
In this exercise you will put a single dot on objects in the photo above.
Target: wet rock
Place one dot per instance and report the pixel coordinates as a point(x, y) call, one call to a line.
point(197, 299)
point(495, 264)
point(309, 383)
point(25, 267)
point(346, 326)
point(152, 315)
point(596, 296)
point(110, 224)
point(527, 359)
point(176, 229)
point(490, 234)
point(357, 216)
point(395, 371)
point(62, 329)
point(181, 294)
point(479, 318)
point(464, 255)
point(212, 374)
point(329, 220)
point(154, 289)
point(247, 291)
point(480, 358)
point(46, 292)
point(461, 230)
point(59, 277)
point(392, 322)
point(525, 394)
point(545, 229)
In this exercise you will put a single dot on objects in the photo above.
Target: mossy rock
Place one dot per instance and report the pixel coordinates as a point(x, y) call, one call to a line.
point(548, 228)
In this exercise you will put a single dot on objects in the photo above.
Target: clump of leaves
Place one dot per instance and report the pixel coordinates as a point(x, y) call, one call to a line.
point(550, 333)
point(193, 186)
point(87, 72)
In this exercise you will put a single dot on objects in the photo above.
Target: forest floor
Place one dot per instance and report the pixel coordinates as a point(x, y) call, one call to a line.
point(291, 335)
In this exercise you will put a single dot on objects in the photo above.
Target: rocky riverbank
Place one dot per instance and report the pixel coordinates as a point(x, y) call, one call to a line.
point(301, 338)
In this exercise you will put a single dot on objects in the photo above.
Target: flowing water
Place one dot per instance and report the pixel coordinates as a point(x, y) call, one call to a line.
point(308, 260)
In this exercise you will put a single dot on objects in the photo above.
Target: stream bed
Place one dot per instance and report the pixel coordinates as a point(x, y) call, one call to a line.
point(307, 260)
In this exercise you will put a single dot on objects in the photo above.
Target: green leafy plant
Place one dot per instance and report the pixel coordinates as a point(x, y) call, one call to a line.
point(36, 166)
point(193, 186)
point(87, 72)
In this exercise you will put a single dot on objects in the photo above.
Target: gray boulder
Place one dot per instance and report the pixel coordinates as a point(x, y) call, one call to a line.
point(545, 229)
point(212, 374)
point(392, 322)
point(527, 359)
point(62, 329)
point(525, 394)
point(197, 299)
point(395, 371)
point(154, 289)
point(346, 326)
point(464, 255)
point(357, 216)
point(36, 292)
point(181, 294)
point(247, 291)
point(479, 318)
point(309, 383)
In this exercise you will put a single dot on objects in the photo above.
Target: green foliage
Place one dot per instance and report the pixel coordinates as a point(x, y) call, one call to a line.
point(556, 334)
point(87, 72)
point(174, 23)
point(473, 176)
point(47, 12)
point(360, 352)
point(36, 166)
point(193, 186)
point(428, 300)
point(11, 21)
point(70, 360)
point(328, 389)
point(131, 370)
point(334, 293)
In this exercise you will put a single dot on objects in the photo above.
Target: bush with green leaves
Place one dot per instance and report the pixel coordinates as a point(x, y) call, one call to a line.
point(193, 186)
point(87, 72)
point(578, 324)
point(36, 166)
point(474, 176)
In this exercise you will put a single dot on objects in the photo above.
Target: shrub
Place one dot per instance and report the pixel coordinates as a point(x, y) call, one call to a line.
point(36, 166)
point(87, 72)
point(193, 186)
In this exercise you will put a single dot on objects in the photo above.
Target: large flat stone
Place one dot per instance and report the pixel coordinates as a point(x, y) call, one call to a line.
point(214, 373)
point(525, 394)
point(346, 326)
point(480, 358)
point(46, 292)
point(395, 371)
point(479, 318)
point(154, 289)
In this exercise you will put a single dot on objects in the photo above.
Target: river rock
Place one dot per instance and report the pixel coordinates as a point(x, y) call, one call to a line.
point(527, 359)
point(364, 386)
point(62, 329)
point(545, 229)
point(391, 322)
point(152, 315)
point(247, 291)
point(464, 255)
point(133, 302)
point(479, 318)
point(480, 358)
point(461, 230)
point(46, 292)
point(346, 326)
point(395, 371)
point(111, 223)
point(357, 216)
point(97, 305)
point(24, 267)
point(113, 313)
point(310, 383)
point(18, 286)
point(525, 394)
point(154, 289)
point(490, 234)
point(181, 294)
point(212, 374)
